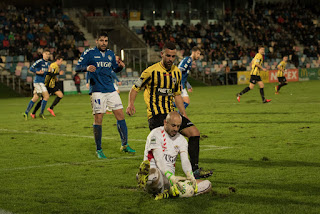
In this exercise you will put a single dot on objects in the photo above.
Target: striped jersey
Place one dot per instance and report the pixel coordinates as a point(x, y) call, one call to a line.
point(282, 66)
point(160, 88)
point(51, 78)
point(257, 60)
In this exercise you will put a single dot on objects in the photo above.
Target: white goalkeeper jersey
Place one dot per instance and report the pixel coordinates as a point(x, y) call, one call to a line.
point(171, 147)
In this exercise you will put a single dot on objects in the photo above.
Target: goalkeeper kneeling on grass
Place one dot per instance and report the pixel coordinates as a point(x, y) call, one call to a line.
point(157, 172)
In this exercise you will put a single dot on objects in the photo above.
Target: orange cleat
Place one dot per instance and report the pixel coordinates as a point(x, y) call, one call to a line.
point(51, 111)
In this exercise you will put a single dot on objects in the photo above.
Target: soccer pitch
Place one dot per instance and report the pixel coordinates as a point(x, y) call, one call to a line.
point(265, 156)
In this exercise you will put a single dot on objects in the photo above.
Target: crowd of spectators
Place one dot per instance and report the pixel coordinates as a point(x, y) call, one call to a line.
point(299, 21)
point(215, 42)
point(26, 31)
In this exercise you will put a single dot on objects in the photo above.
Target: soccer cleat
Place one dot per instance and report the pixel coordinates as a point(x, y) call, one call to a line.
point(202, 173)
point(143, 174)
point(25, 116)
point(266, 101)
point(42, 116)
point(100, 154)
point(51, 111)
point(33, 116)
point(127, 148)
point(238, 97)
point(163, 195)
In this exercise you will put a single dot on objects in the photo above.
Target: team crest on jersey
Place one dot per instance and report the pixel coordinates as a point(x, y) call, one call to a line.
point(174, 80)
point(176, 148)
point(109, 57)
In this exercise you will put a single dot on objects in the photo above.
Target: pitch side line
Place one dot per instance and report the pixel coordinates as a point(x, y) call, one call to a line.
point(68, 164)
point(65, 135)
point(205, 147)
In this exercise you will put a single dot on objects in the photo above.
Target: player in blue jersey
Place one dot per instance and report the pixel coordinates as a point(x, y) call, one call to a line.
point(99, 62)
point(40, 68)
point(185, 67)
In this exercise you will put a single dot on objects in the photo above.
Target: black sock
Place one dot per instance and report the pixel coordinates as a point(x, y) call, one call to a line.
point(55, 102)
point(193, 149)
point(245, 90)
point(37, 107)
point(282, 84)
point(262, 94)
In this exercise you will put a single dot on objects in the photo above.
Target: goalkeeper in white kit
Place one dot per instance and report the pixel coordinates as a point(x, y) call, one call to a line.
point(157, 172)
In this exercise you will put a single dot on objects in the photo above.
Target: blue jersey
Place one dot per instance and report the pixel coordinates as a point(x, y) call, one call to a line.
point(105, 62)
point(185, 67)
point(114, 77)
point(39, 65)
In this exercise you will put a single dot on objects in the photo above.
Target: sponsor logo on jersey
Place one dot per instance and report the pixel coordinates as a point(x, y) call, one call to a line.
point(103, 64)
point(109, 57)
point(170, 158)
point(164, 92)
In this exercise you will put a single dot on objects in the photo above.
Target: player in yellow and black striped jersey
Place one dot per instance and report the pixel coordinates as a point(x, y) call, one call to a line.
point(281, 78)
point(256, 64)
point(162, 84)
point(50, 83)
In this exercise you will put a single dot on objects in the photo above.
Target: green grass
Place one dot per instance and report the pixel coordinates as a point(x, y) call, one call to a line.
point(268, 152)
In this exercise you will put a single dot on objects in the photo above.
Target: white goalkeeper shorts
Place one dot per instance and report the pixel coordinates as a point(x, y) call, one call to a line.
point(184, 93)
point(157, 182)
point(39, 88)
point(101, 101)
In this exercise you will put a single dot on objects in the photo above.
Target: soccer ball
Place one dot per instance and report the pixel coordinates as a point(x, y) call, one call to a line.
point(185, 189)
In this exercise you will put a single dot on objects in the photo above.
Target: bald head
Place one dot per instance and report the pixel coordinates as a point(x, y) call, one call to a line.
point(172, 123)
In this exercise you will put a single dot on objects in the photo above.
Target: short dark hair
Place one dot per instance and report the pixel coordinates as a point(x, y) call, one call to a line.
point(169, 45)
point(102, 34)
point(195, 48)
point(58, 57)
point(260, 46)
point(46, 50)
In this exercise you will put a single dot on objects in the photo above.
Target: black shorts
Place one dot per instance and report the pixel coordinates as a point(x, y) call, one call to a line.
point(157, 121)
point(51, 91)
point(254, 79)
point(282, 79)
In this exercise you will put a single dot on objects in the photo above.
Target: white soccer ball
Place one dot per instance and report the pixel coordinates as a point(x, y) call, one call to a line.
point(185, 189)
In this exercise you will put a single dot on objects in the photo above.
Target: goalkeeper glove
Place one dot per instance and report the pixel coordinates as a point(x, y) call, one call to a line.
point(191, 177)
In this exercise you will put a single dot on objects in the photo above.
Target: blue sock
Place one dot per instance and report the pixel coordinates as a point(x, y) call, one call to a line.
point(174, 105)
point(43, 106)
point(185, 104)
point(123, 131)
point(30, 105)
point(97, 133)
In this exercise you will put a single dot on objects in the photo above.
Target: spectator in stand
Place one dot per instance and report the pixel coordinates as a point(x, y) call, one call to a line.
point(77, 82)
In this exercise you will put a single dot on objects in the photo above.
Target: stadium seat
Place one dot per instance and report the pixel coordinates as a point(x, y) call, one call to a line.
point(18, 73)
point(20, 58)
point(9, 59)
point(29, 79)
point(135, 74)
